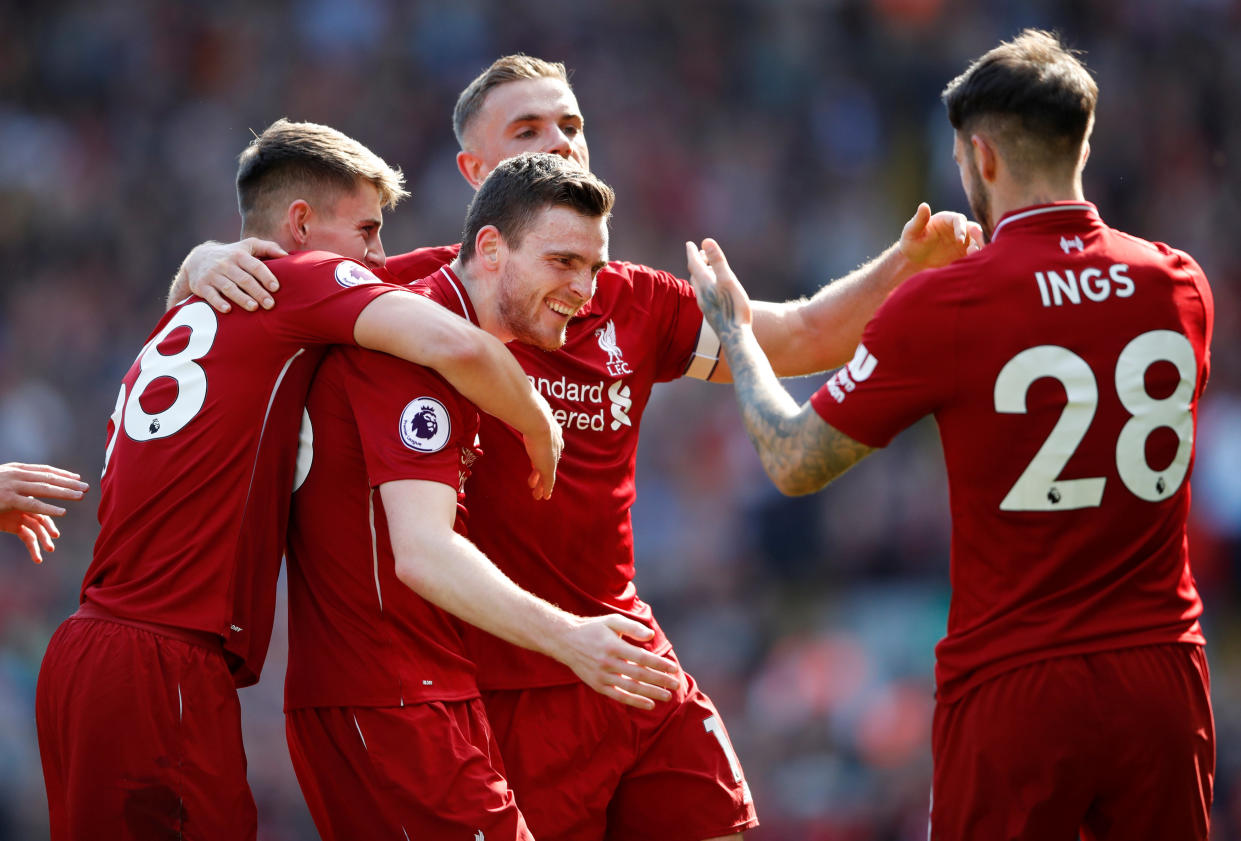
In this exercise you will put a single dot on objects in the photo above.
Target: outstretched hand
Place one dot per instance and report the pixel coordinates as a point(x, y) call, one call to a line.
point(37, 531)
point(721, 297)
point(618, 669)
point(932, 240)
point(30, 518)
point(223, 272)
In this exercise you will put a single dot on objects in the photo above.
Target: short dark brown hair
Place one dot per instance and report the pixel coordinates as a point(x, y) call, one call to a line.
point(509, 68)
point(1033, 94)
point(306, 160)
point(521, 187)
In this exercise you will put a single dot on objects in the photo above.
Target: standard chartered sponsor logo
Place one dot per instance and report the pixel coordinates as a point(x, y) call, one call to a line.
point(589, 409)
point(618, 393)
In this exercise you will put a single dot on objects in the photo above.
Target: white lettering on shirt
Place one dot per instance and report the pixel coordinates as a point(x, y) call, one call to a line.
point(594, 415)
point(1055, 288)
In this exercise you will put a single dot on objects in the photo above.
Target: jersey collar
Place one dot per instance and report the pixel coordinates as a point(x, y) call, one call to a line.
point(1044, 212)
point(454, 283)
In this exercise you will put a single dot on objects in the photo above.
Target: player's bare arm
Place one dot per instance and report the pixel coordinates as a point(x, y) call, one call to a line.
point(818, 333)
point(223, 274)
point(476, 364)
point(22, 512)
point(450, 572)
point(800, 452)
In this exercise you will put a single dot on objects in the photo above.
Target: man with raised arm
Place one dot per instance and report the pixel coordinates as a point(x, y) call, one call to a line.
point(138, 716)
point(1063, 364)
point(585, 768)
point(388, 735)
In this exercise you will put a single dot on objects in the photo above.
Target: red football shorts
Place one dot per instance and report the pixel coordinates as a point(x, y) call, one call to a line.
point(586, 767)
point(422, 771)
point(1117, 745)
point(140, 735)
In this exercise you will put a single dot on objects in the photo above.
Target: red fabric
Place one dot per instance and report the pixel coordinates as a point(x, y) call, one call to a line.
point(358, 636)
point(194, 497)
point(1118, 744)
point(576, 549)
point(584, 766)
point(1092, 555)
point(140, 736)
point(422, 771)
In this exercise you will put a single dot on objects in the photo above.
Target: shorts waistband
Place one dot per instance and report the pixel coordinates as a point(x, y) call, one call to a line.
point(206, 639)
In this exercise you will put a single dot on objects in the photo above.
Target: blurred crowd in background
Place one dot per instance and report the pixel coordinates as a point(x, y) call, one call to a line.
point(800, 133)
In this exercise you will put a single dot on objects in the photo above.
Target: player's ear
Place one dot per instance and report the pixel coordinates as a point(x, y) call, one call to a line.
point(985, 156)
point(472, 168)
point(488, 245)
point(298, 218)
point(1085, 154)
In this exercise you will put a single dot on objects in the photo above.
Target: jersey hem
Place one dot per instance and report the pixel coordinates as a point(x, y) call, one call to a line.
point(951, 691)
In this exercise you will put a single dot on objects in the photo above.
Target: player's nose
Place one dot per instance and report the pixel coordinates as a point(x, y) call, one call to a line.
point(583, 286)
point(375, 256)
point(559, 143)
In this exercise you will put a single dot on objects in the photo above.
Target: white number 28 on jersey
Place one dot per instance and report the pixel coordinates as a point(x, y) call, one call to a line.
point(1039, 487)
point(180, 366)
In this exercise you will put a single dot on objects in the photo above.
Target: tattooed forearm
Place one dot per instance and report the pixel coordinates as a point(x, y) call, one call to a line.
point(720, 311)
point(800, 452)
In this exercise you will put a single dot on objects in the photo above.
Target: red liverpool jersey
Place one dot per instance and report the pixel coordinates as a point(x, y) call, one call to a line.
point(1063, 363)
point(358, 636)
point(576, 549)
point(200, 453)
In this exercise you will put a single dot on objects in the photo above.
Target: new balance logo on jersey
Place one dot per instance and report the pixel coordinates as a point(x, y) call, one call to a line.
point(859, 369)
point(1069, 244)
point(478, 836)
point(617, 366)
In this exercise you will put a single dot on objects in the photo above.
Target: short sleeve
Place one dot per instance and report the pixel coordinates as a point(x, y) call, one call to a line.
point(901, 371)
point(321, 297)
point(410, 421)
point(676, 318)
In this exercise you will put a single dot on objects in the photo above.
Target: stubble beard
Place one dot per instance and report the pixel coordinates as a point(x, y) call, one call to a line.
point(980, 202)
point(523, 327)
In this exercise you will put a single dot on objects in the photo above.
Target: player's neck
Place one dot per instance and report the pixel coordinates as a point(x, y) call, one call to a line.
point(282, 237)
point(1014, 196)
point(482, 295)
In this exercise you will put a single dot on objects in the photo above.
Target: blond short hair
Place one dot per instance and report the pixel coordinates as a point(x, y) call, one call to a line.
point(314, 162)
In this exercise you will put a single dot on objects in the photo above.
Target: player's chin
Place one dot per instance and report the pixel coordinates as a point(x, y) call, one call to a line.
point(547, 338)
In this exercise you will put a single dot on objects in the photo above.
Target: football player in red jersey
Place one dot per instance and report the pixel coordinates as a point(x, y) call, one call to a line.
point(1063, 363)
point(385, 725)
point(22, 512)
point(137, 711)
point(586, 767)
